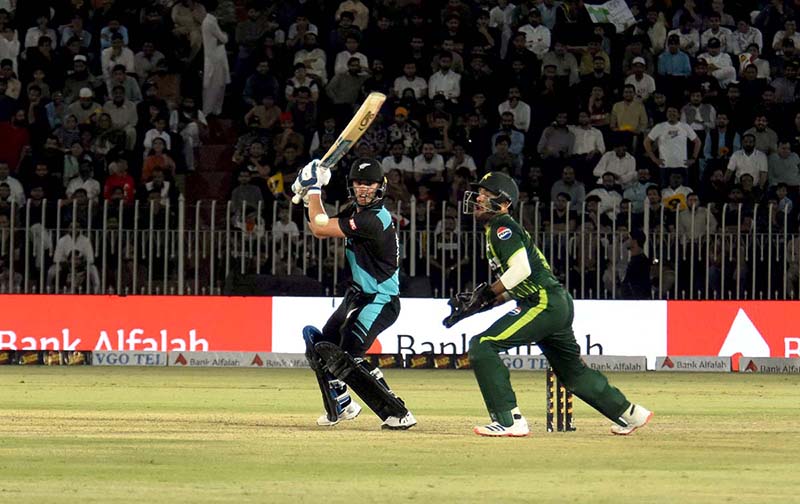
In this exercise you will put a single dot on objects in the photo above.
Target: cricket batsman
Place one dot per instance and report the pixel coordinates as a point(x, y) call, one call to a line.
point(371, 303)
point(543, 316)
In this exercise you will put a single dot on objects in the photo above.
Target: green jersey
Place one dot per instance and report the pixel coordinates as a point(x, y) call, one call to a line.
point(504, 239)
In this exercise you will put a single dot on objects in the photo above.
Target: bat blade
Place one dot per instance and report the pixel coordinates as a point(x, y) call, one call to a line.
point(354, 130)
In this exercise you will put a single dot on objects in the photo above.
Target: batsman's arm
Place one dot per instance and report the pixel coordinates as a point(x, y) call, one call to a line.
point(331, 229)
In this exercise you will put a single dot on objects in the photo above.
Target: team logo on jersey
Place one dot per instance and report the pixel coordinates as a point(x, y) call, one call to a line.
point(503, 233)
point(353, 224)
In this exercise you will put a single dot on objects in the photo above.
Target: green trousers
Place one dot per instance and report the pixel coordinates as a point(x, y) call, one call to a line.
point(548, 324)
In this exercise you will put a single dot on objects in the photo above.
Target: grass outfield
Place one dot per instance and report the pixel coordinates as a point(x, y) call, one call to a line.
point(157, 435)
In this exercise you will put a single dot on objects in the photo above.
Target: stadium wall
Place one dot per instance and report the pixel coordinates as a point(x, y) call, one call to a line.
point(274, 324)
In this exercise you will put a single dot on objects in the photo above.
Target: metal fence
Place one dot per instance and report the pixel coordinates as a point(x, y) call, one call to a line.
point(192, 248)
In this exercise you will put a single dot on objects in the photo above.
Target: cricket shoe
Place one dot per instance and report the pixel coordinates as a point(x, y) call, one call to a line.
point(518, 429)
point(399, 423)
point(349, 413)
point(635, 417)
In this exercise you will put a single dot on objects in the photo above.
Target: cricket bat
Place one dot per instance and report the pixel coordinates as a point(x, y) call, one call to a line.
point(357, 126)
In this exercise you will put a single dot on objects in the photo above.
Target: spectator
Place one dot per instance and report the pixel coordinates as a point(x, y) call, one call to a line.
point(119, 178)
point(359, 10)
point(701, 117)
point(593, 49)
point(557, 141)
point(565, 63)
point(215, 65)
point(116, 54)
point(397, 160)
point(85, 181)
point(697, 220)
point(786, 85)
point(263, 83)
point(460, 159)
point(743, 36)
point(643, 84)
point(16, 191)
point(313, 57)
point(521, 111)
point(445, 81)
point(618, 162)
point(564, 216)
point(428, 166)
point(598, 77)
point(411, 80)
point(396, 187)
point(244, 195)
point(537, 35)
point(344, 89)
point(588, 145)
point(508, 129)
point(673, 62)
point(13, 85)
point(674, 196)
point(716, 31)
point(766, 138)
point(85, 108)
point(188, 122)
point(671, 137)
point(300, 79)
point(165, 188)
point(748, 160)
point(629, 117)
point(146, 60)
point(636, 284)
point(720, 143)
point(41, 30)
point(123, 115)
point(16, 139)
point(188, 16)
point(784, 167)
point(752, 57)
point(567, 184)
point(786, 58)
point(687, 35)
point(129, 85)
point(159, 131)
point(610, 195)
point(403, 130)
point(350, 51)
point(79, 79)
point(157, 158)
point(503, 158)
point(719, 62)
point(73, 259)
point(39, 57)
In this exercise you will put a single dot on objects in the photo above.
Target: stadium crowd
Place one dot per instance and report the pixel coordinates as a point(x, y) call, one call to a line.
point(691, 107)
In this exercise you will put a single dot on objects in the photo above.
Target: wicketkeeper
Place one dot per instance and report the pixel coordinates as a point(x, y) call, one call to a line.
point(371, 303)
point(543, 316)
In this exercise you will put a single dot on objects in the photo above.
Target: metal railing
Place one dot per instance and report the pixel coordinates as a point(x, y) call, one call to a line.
point(154, 248)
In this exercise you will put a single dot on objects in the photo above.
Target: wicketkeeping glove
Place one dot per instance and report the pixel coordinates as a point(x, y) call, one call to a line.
point(466, 304)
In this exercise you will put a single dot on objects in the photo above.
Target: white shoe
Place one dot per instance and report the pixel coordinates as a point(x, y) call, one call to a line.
point(637, 416)
point(399, 423)
point(494, 429)
point(349, 413)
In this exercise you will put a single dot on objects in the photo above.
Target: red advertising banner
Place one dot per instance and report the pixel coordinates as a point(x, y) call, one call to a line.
point(142, 323)
point(730, 328)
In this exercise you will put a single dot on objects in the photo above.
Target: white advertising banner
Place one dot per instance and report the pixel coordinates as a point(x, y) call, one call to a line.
point(625, 328)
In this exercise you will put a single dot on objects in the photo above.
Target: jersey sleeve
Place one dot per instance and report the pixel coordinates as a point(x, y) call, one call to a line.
point(506, 239)
point(365, 225)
